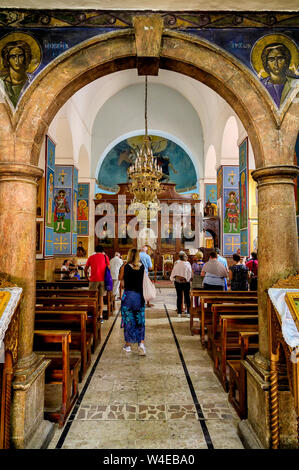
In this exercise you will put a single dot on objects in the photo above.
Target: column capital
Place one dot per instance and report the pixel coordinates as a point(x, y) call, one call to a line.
point(278, 174)
point(12, 171)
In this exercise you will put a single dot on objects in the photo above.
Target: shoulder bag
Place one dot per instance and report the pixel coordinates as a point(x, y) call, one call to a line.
point(108, 278)
point(149, 290)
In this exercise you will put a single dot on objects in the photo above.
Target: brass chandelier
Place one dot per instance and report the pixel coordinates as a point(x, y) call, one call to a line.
point(145, 175)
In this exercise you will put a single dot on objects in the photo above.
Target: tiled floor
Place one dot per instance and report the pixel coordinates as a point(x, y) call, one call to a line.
point(136, 402)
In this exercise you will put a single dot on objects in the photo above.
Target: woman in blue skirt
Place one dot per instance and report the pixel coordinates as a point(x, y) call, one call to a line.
point(132, 302)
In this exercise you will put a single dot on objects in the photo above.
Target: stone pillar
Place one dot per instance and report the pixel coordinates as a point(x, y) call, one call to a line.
point(18, 187)
point(278, 258)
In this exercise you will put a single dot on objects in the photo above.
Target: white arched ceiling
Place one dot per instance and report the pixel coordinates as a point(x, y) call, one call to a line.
point(84, 163)
point(210, 163)
point(64, 140)
point(168, 113)
point(82, 109)
point(229, 147)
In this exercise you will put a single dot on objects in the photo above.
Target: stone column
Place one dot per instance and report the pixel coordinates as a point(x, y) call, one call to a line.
point(18, 186)
point(278, 258)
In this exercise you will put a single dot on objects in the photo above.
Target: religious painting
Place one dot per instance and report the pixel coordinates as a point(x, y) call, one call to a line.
point(211, 193)
point(63, 176)
point(62, 244)
point(20, 56)
point(168, 241)
point(83, 208)
point(219, 182)
point(124, 240)
point(253, 197)
point(244, 248)
point(83, 191)
point(48, 243)
point(62, 210)
point(231, 212)
point(231, 243)
point(243, 155)
point(177, 166)
point(292, 301)
point(82, 247)
point(40, 198)
point(39, 237)
point(75, 200)
point(74, 244)
point(253, 236)
point(230, 177)
point(275, 59)
point(243, 199)
point(49, 196)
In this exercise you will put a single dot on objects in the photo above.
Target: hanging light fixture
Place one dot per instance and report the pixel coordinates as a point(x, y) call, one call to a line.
point(145, 175)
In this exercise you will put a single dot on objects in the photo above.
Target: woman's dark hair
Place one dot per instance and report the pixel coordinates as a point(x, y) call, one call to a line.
point(213, 254)
point(253, 255)
point(236, 257)
point(11, 45)
point(65, 261)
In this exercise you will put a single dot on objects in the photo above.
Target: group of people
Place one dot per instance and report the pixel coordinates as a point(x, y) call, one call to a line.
point(213, 275)
point(69, 270)
point(129, 274)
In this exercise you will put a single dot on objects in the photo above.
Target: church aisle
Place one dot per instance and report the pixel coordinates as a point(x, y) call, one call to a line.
point(135, 402)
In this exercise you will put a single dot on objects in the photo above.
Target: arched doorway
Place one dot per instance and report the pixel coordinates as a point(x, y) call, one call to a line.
point(272, 135)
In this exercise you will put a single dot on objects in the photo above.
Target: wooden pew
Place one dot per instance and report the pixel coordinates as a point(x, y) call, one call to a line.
point(63, 370)
point(75, 321)
point(75, 286)
point(237, 393)
point(88, 304)
point(227, 346)
point(226, 309)
point(212, 297)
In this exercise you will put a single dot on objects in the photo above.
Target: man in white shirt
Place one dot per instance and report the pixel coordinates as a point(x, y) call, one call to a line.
point(181, 275)
point(115, 265)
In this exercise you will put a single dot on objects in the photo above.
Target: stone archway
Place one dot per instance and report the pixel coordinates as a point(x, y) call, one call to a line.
point(272, 136)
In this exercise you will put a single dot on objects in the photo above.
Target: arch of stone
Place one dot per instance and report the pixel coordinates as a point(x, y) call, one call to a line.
point(272, 134)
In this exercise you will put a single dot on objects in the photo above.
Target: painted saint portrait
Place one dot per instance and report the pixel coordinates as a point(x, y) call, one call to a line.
point(61, 209)
point(20, 55)
point(275, 58)
point(232, 212)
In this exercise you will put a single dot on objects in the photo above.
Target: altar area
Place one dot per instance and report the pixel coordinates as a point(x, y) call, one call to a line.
point(116, 229)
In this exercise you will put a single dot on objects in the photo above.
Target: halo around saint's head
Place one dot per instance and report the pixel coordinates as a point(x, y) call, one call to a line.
point(259, 46)
point(34, 46)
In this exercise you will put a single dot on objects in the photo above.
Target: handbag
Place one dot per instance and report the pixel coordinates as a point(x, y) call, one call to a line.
point(149, 290)
point(108, 281)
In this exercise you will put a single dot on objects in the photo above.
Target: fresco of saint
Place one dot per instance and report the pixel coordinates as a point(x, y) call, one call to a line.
point(61, 209)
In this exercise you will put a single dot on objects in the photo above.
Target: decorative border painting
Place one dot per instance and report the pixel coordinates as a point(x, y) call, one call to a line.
point(83, 209)
point(49, 197)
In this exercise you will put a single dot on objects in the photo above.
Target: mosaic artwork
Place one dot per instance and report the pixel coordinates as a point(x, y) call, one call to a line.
point(177, 166)
point(244, 246)
point(82, 247)
point(49, 198)
point(231, 216)
point(266, 43)
point(231, 243)
point(83, 208)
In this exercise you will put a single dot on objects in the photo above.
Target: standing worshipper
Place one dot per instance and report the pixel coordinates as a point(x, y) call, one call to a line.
point(238, 274)
point(252, 265)
point(115, 265)
point(147, 263)
point(214, 273)
point(97, 264)
point(224, 262)
point(132, 303)
point(181, 275)
point(197, 266)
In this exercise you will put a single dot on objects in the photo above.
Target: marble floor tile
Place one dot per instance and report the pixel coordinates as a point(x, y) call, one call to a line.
point(135, 402)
